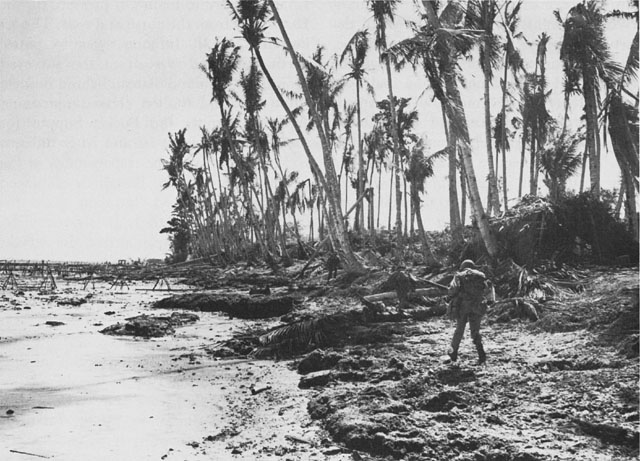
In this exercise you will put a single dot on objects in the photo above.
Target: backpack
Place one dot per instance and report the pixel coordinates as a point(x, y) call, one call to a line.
point(471, 285)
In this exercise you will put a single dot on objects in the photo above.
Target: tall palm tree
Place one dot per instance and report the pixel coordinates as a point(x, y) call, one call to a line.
point(252, 17)
point(512, 60)
point(437, 50)
point(622, 115)
point(458, 124)
point(335, 217)
point(481, 15)
point(585, 50)
point(222, 63)
point(251, 83)
point(383, 11)
point(535, 118)
point(356, 50)
point(540, 117)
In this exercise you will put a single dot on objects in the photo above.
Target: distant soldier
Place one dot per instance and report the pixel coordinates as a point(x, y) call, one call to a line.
point(467, 293)
point(332, 265)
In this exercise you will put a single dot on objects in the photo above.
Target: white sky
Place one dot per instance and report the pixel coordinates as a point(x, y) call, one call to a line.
point(89, 91)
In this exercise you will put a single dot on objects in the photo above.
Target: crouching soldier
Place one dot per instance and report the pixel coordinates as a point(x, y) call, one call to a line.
point(467, 293)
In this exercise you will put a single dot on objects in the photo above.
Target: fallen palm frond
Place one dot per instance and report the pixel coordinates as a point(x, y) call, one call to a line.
point(303, 335)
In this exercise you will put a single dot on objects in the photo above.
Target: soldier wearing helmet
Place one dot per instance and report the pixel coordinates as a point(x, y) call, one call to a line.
point(467, 292)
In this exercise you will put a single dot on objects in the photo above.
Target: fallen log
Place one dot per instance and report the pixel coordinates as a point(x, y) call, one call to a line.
point(393, 295)
point(295, 438)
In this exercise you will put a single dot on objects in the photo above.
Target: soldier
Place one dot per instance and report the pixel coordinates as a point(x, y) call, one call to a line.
point(467, 293)
point(332, 265)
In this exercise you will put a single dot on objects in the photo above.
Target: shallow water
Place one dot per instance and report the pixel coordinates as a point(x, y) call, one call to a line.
point(76, 394)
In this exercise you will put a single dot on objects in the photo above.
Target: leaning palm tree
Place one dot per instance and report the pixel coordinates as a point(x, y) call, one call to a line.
point(559, 160)
point(335, 217)
point(383, 11)
point(585, 51)
point(252, 17)
point(621, 107)
point(481, 15)
point(458, 121)
point(356, 50)
point(430, 51)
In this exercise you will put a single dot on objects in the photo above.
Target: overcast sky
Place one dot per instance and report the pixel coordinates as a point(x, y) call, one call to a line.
point(89, 91)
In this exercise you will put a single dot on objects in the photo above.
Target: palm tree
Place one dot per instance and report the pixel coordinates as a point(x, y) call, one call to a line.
point(222, 63)
point(335, 217)
point(356, 50)
point(418, 170)
point(293, 201)
point(377, 150)
point(513, 61)
point(534, 116)
point(559, 160)
point(481, 15)
point(584, 49)
point(622, 117)
point(251, 83)
point(252, 17)
point(456, 116)
point(383, 11)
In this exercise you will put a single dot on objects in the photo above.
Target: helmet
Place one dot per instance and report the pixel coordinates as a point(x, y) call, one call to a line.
point(467, 264)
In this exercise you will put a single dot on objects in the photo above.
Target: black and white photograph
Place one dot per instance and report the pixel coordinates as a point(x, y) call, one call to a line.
point(319, 230)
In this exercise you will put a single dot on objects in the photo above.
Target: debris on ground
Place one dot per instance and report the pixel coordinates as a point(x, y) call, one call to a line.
point(150, 326)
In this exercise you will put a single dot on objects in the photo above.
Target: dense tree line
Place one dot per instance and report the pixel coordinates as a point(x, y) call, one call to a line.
point(236, 200)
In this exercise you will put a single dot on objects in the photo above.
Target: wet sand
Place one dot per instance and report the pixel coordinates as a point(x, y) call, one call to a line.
point(69, 392)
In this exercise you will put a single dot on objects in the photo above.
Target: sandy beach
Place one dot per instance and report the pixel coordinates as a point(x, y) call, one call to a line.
point(69, 392)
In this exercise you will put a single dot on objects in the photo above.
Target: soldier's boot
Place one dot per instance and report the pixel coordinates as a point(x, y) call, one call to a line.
point(482, 356)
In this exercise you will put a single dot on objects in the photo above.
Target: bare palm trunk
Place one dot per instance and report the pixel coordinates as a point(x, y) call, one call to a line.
point(361, 171)
point(454, 211)
point(522, 155)
point(396, 157)
point(493, 201)
point(391, 179)
point(593, 131)
point(503, 130)
point(585, 160)
point(415, 200)
point(404, 194)
point(379, 194)
point(533, 186)
point(463, 193)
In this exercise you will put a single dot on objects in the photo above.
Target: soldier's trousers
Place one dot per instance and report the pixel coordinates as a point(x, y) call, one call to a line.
point(474, 329)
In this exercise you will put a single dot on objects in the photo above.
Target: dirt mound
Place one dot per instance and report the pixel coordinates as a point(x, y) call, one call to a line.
point(240, 306)
point(150, 326)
